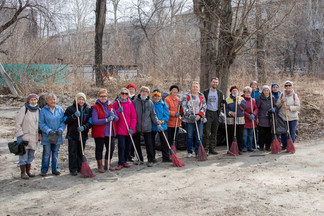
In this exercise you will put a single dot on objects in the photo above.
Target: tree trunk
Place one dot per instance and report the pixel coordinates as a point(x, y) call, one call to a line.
point(260, 46)
point(100, 24)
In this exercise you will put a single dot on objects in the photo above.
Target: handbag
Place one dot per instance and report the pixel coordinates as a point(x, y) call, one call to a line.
point(17, 148)
point(53, 138)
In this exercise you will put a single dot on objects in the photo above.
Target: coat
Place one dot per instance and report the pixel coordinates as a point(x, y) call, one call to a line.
point(187, 107)
point(72, 122)
point(130, 116)
point(100, 127)
point(162, 113)
point(145, 114)
point(27, 127)
point(173, 104)
point(230, 107)
point(220, 98)
point(256, 94)
point(51, 121)
point(293, 102)
point(264, 104)
point(248, 112)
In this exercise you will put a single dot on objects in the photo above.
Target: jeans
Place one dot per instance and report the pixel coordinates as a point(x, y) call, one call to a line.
point(27, 158)
point(292, 130)
point(100, 142)
point(124, 144)
point(248, 138)
point(47, 150)
point(191, 130)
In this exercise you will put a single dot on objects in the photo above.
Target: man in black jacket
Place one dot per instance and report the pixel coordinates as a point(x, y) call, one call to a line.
point(71, 116)
point(214, 98)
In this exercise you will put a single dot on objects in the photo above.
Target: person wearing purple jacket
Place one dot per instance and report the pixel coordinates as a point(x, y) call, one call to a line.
point(102, 117)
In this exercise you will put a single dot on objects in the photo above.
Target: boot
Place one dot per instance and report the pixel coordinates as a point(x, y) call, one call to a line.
point(23, 172)
point(100, 167)
point(28, 168)
point(110, 167)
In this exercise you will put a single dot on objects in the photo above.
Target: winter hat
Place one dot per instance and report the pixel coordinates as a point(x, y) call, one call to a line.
point(30, 96)
point(289, 82)
point(265, 87)
point(273, 84)
point(234, 87)
point(81, 94)
point(156, 92)
point(131, 85)
point(174, 86)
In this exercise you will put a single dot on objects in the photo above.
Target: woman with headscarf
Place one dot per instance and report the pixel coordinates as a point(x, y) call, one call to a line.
point(27, 130)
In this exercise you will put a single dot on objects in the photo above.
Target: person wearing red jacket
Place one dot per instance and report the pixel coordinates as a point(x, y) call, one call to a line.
point(249, 117)
point(123, 105)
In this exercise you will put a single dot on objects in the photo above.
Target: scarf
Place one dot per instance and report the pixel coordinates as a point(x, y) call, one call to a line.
point(31, 108)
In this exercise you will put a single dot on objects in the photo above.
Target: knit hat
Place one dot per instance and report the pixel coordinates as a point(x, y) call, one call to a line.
point(289, 82)
point(156, 92)
point(234, 87)
point(273, 84)
point(174, 86)
point(131, 85)
point(265, 87)
point(30, 96)
point(81, 94)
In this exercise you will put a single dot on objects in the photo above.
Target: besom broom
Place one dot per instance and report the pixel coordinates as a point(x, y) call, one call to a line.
point(290, 144)
point(234, 151)
point(275, 147)
point(173, 145)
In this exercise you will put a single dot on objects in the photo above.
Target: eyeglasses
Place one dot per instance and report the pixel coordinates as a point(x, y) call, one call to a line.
point(287, 85)
point(124, 93)
point(103, 96)
point(145, 92)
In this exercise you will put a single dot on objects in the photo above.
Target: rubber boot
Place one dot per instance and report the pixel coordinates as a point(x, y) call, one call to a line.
point(100, 167)
point(110, 167)
point(23, 172)
point(28, 168)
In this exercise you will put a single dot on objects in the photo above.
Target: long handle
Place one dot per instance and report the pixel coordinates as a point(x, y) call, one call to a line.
point(226, 133)
point(175, 130)
point(255, 142)
point(287, 118)
point(235, 116)
point(166, 140)
point(77, 109)
point(109, 144)
point(273, 119)
point(193, 110)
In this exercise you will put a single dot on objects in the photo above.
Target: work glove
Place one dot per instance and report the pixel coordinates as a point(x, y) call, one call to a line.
point(110, 118)
point(51, 133)
point(80, 129)
point(160, 128)
point(192, 117)
point(120, 109)
point(252, 117)
point(76, 114)
point(59, 132)
point(180, 103)
point(177, 115)
point(272, 110)
point(111, 114)
point(130, 131)
point(19, 139)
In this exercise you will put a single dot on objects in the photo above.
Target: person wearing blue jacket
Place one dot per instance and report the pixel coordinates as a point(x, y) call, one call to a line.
point(255, 90)
point(51, 123)
point(162, 112)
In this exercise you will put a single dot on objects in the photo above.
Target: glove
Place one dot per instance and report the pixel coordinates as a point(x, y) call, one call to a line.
point(51, 133)
point(192, 117)
point(77, 114)
point(180, 103)
point(252, 117)
point(120, 109)
point(59, 132)
point(19, 139)
point(160, 128)
point(80, 129)
point(110, 118)
point(272, 110)
point(130, 131)
point(177, 115)
point(111, 114)
point(223, 101)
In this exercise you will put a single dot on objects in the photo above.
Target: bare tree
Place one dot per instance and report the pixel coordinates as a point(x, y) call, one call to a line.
point(100, 25)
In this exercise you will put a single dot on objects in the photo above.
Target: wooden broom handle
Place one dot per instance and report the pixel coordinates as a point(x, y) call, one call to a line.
point(235, 117)
point(193, 110)
point(287, 117)
point(175, 130)
point(80, 134)
point(273, 119)
point(253, 122)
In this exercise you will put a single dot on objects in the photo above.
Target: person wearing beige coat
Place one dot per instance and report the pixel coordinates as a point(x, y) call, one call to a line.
point(290, 103)
point(27, 131)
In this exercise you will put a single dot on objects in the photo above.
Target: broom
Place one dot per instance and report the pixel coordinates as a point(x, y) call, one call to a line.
point(234, 151)
point(275, 147)
point(173, 145)
point(202, 156)
point(110, 174)
point(85, 169)
point(255, 154)
point(175, 160)
point(226, 133)
point(290, 144)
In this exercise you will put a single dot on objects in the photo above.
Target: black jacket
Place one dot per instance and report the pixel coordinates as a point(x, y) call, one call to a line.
point(72, 122)
point(220, 98)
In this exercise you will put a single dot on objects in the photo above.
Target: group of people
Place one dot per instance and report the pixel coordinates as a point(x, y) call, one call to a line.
point(146, 114)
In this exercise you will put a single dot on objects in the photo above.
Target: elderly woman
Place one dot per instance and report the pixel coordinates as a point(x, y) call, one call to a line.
point(125, 107)
point(194, 109)
point(71, 116)
point(102, 118)
point(51, 123)
point(263, 118)
point(235, 102)
point(27, 130)
point(290, 103)
point(255, 90)
point(250, 113)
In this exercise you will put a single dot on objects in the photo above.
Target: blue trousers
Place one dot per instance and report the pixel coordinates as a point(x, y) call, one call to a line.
point(27, 158)
point(124, 144)
point(191, 131)
point(292, 130)
point(47, 150)
point(248, 138)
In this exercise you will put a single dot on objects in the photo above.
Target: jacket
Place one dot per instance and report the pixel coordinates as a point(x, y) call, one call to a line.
point(145, 114)
point(248, 112)
point(220, 98)
point(264, 104)
point(72, 122)
point(187, 107)
point(256, 94)
point(162, 113)
point(293, 102)
point(230, 107)
point(130, 116)
point(27, 127)
point(173, 104)
point(51, 121)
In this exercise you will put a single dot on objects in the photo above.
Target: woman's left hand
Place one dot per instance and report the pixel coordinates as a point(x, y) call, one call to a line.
point(287, 107)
